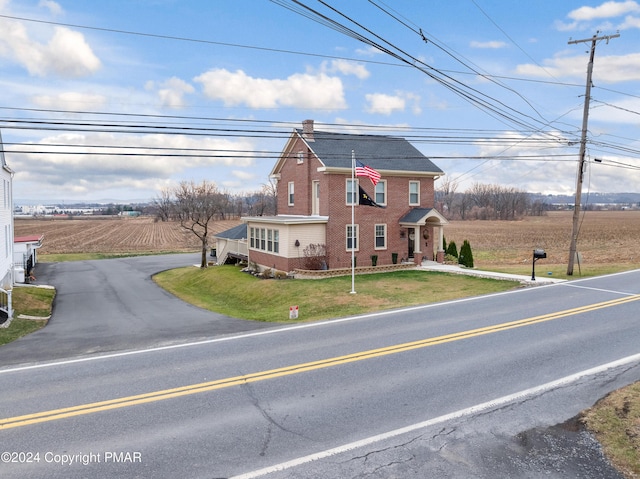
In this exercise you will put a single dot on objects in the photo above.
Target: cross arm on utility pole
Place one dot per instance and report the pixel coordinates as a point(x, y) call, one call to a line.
point(583, 145)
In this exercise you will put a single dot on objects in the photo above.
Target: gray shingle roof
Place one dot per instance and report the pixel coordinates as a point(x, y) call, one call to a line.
point(235, 233)
point(415, 215)
point(377, 151)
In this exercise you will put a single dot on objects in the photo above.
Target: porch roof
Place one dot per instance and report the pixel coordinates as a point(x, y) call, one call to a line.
point(419, 216)
point(235, 233)
point(286, 219)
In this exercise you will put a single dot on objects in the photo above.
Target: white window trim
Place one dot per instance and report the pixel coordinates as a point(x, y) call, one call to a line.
point(375, 196)
point(375, 236)
point(355, 191)
point(418, 202)
point(356, 237)
point(290, 193)
point(300, 157)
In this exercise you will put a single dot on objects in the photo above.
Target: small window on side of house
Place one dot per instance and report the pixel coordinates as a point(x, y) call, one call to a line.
point(291, 191)
point(414, 193)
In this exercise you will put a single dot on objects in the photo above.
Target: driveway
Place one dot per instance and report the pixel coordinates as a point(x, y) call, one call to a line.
point(113, 305)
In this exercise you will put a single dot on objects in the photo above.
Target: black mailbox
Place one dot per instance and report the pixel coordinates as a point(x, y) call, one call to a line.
point(537, 254)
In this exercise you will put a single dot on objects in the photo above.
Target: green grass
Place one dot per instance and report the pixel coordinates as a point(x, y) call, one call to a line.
point(227, 290)
point(62, 257)
point(36, 302)
point(559, 271)
point(615, 421)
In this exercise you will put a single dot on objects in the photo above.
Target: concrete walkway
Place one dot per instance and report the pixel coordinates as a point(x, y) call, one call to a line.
point(456, 269)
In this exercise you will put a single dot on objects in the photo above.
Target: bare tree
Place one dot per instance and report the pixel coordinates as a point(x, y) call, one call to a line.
point(196, 205)
point(163, 204)
point(270, 192)
point(445, 196)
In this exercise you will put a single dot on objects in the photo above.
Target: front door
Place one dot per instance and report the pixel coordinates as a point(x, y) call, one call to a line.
point(412, 241)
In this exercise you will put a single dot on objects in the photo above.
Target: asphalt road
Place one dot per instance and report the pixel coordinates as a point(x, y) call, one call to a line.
point(460, 389)
point(113, 305)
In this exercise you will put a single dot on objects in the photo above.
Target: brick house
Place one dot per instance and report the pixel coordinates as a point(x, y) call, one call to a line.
point(316, 191)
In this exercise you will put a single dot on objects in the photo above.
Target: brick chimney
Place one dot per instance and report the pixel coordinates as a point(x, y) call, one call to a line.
point(307, 130)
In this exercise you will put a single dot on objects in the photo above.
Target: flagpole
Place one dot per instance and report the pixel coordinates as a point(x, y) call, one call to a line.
point(353, 221)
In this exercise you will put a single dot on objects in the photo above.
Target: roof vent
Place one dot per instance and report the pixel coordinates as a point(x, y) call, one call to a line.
point(307, 130)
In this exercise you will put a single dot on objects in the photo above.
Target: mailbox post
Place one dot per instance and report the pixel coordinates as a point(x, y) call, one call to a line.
point(537, 254)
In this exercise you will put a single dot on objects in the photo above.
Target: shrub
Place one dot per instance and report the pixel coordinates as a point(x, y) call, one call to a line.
point(448, 259)
point(374, 259)
point(452, 249)
point(465, 257)
point(315, 257)
point(267, 273)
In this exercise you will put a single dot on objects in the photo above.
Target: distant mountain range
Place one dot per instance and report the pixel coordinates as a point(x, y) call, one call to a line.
point(591, 198)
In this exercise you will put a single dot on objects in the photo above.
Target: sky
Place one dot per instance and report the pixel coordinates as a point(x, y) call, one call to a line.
point(118, 99)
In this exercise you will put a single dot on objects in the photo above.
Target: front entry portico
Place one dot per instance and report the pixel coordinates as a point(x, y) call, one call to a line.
point(425, 227)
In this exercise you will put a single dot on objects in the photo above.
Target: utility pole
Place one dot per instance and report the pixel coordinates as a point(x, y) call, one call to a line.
point(583, 146)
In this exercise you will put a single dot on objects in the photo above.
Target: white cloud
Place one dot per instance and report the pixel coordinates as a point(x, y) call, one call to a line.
point(621, 112)
point(346, 67)
point(610, 69)
point(368, 52)
point(92, 170)
point(66, 54)
point(629, 22)
point(384, 104)
point(582, 18)
point(52, 6)
point(381, 103)
point(70, 101)
point(490, 44)
point(172, 92)
point(606, 10)
point(300, 90)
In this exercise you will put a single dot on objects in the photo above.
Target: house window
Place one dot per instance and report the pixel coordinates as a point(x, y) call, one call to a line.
point(352, 237)
point(414, 193)
point(381, 192)
point(352, 187)
point(300, 157)
point(291, 193)
point(381, 236)
point(265, 239)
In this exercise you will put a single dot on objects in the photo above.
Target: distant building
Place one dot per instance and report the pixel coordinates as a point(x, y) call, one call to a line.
point(25, 256)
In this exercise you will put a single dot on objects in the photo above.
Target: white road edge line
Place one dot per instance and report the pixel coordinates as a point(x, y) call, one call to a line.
point(277, 330)
point(621, 293)
point(493, 404)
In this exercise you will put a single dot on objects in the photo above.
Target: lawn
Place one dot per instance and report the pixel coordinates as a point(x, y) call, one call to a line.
point(32, 302)
point(227, 290)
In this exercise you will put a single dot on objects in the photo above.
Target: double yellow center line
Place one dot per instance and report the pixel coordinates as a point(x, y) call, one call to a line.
point(91, 408)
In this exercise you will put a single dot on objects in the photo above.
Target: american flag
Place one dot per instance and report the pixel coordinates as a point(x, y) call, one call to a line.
point(364, 170)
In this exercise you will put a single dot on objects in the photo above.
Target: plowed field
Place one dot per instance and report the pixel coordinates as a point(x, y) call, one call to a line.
point(604, 237)
point(112, 235)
